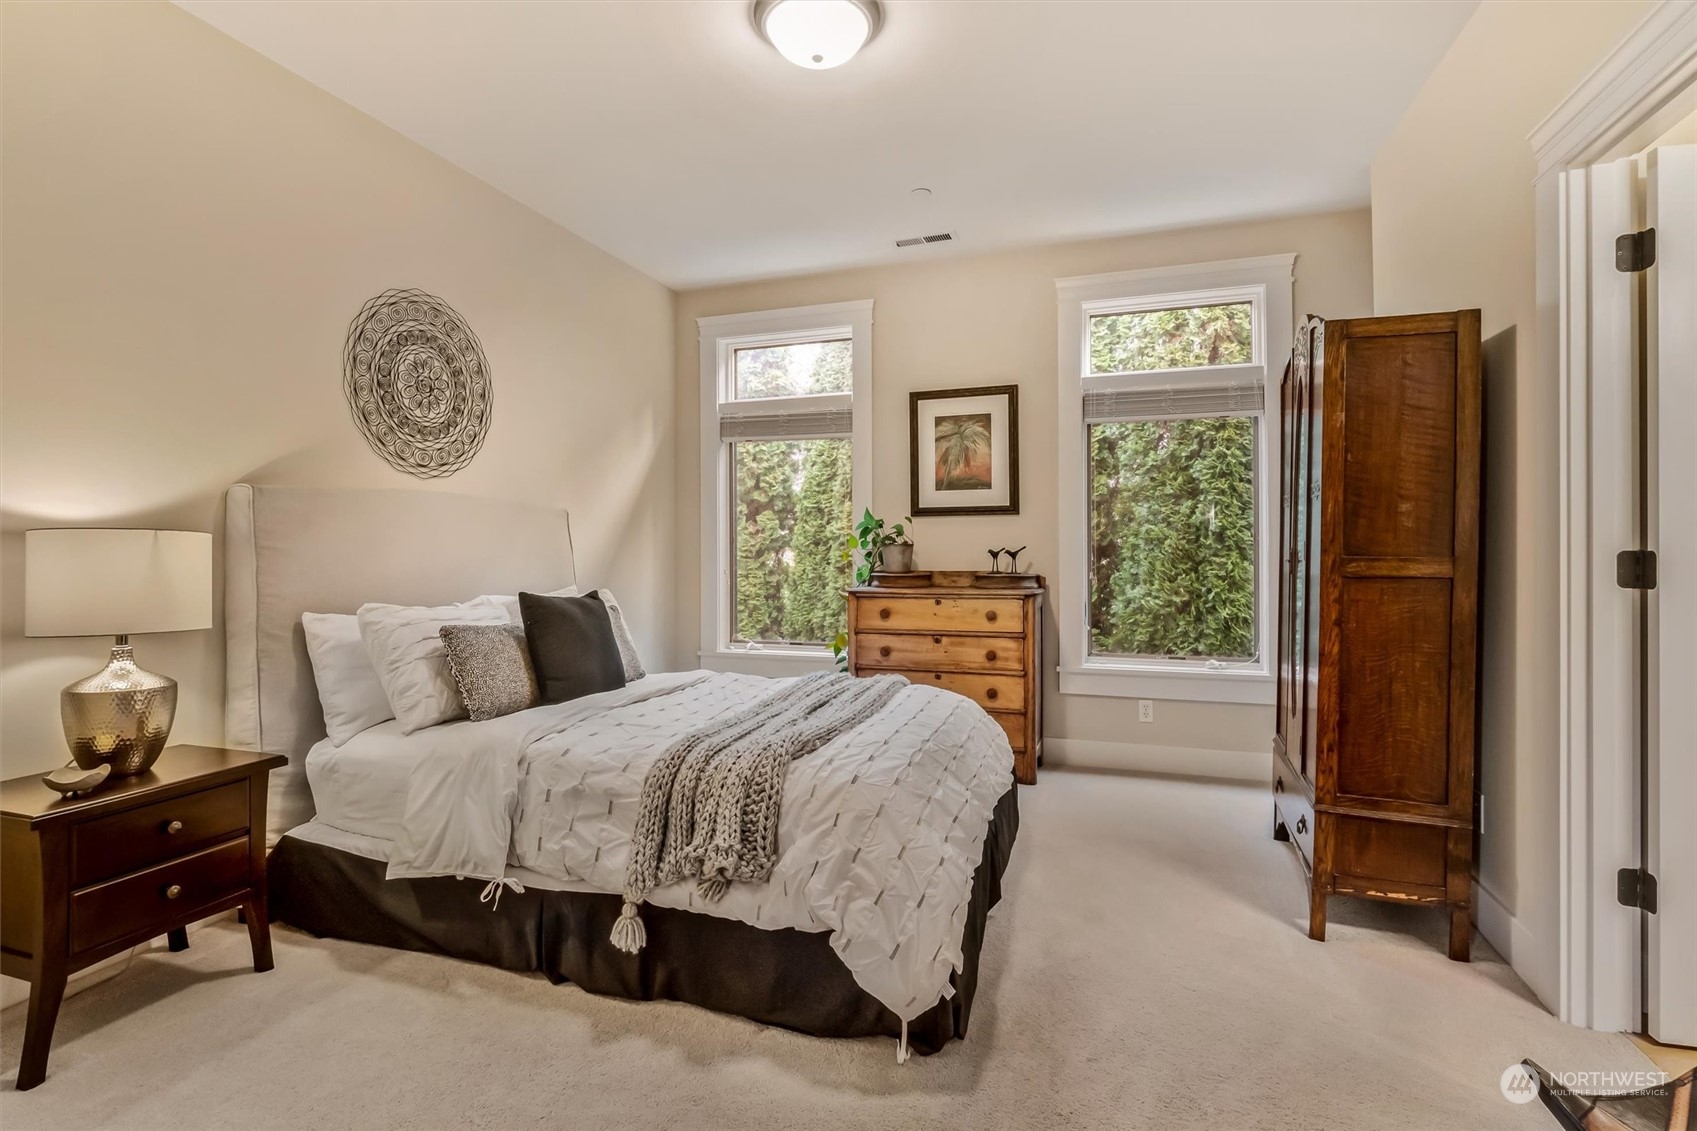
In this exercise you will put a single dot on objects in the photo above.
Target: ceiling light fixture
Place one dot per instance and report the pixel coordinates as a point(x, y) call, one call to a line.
point(818, 34)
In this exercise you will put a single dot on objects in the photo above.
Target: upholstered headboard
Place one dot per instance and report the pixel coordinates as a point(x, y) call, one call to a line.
point(291, 550)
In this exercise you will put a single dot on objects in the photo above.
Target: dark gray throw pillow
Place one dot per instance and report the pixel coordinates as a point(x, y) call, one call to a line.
point(492, 667)
point(572, 646)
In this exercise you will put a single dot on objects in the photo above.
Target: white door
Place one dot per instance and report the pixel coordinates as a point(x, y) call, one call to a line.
point(1670, 449)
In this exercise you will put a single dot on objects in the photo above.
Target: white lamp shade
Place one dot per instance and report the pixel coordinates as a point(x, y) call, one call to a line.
point(116, 582)
point(817, 34)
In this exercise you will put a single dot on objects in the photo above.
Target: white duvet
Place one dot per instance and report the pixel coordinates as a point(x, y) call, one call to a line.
point(879, 834)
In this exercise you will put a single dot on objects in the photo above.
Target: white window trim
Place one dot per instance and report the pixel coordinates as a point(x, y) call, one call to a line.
point(1266, 280)
point(719, 337)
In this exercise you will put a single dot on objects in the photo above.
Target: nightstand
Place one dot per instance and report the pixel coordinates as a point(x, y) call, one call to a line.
point(85, 878)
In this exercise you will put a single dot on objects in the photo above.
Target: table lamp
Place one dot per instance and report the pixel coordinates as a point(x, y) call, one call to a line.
point(117, 583)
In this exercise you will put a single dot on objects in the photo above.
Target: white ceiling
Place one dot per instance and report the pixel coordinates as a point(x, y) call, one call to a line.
point(669, 134)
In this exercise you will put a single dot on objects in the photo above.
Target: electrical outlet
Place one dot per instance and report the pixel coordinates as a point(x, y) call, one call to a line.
point(1145, 710)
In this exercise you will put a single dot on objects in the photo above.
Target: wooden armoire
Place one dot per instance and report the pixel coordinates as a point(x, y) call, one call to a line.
point(1373, 753)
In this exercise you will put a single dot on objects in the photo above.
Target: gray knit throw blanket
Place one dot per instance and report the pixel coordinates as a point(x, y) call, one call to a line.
point(709, 809)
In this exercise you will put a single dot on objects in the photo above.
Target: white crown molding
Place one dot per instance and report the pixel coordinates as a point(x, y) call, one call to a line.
point(1656, 60)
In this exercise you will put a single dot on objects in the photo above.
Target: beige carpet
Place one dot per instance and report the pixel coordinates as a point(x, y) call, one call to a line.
point(1147, 969)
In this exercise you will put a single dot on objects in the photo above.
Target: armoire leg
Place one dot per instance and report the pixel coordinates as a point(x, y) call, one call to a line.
point(1317, 913)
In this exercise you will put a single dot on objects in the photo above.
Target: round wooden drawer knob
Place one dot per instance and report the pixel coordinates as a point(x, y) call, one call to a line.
point(937, 601)
point(173, 828)
point(990, 616)
point(173, 891)
point(990, 694)
point(990, 656)
point(936, 640)
point(936, 675)
point(883, 614)
point(884, 651)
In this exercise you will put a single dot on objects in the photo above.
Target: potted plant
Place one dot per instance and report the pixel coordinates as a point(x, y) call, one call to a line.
point(880, 549)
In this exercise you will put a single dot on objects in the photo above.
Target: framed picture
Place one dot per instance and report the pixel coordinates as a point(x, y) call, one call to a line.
point(965, 450)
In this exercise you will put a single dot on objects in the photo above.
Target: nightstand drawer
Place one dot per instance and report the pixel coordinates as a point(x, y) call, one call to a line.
point(939, 614)
point(992, 692)
point(959, 653)
point(136, 838)
point(161, 896)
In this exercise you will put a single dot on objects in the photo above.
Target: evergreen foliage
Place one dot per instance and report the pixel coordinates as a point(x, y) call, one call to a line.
point(1172, 502)
point(793, 503)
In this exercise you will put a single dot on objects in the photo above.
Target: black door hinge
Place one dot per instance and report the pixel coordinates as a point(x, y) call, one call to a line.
point(1635, 887)
point(1636, 251)
point(1635, 569)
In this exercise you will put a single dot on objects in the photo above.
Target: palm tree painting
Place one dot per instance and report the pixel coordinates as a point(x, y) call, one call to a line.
point(963, 452)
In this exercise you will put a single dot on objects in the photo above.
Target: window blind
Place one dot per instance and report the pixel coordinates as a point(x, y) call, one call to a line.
point(1155, 402)
point(806, 424)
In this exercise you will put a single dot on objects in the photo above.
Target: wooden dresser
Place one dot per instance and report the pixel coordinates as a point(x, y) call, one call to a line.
point(983, 642)
point(144, 856)
point(1373, 755)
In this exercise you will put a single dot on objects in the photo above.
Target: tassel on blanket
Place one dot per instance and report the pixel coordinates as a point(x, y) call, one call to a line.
point(713, 888)
point(628, 933)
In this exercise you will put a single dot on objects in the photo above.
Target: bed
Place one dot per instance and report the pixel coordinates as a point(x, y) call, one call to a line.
point(879, 832)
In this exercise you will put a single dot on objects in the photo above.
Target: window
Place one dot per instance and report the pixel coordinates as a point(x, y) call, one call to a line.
point(786, 418)
point(1167, 562)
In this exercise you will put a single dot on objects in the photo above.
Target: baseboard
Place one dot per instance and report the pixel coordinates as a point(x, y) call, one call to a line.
point(1505, 932)
point(1141, 758)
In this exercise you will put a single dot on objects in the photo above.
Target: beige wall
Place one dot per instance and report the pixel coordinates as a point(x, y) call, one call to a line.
point(1453, 226)
point(189, 229)
point(990, 320)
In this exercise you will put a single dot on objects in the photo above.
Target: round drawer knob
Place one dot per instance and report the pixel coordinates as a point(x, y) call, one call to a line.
point(173, 891)
point(936, 675)
point(883, 614)
point(936, 600)
point(936, 640)
point(990, 656)
point(990, 616)
point(990, 694)
point(173, 828)
point(884, 651)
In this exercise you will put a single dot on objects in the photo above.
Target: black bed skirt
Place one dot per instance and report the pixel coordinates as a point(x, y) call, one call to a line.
point(787, 978)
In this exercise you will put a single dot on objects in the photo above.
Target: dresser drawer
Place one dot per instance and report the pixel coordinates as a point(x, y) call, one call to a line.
point(940, 652)
point(939, 614)
point(159, 896)
point(992, 692)
point(1013, 722)
point(137, 838)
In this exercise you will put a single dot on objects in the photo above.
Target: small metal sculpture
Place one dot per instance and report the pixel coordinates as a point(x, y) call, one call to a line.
point(1013, 559)
point(418, 383)
point(995, 560)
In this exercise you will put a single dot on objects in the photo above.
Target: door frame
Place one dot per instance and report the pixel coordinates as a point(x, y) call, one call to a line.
point(1640, 89)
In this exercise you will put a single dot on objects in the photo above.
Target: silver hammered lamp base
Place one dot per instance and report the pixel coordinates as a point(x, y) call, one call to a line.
point(119, 716)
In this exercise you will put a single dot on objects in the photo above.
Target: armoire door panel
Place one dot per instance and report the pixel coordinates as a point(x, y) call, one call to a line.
point(1393, 689)
point(1399, 446)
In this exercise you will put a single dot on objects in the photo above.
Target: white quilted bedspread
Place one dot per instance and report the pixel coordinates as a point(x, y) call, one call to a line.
point(879, 833)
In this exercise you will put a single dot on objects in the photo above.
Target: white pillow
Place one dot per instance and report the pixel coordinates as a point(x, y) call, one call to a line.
point(405, 646)
point(621, 636)
point(511, 603)
point(348, 688)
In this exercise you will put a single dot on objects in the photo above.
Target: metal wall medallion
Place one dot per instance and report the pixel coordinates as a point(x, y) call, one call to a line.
point(417, 383)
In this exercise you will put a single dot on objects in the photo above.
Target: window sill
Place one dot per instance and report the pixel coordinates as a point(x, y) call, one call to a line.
point(766, 661)
point(1195, 685)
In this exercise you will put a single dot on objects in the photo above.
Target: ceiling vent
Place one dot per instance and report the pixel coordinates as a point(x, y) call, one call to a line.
point(915, 241)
